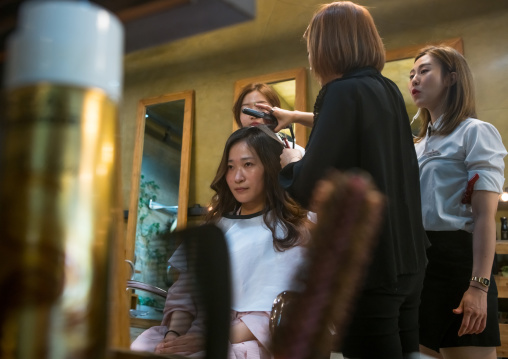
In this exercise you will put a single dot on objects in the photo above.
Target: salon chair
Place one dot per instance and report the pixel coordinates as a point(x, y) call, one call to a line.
point(134, 284)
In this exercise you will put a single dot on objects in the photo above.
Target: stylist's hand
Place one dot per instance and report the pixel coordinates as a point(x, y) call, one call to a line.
point(474, 308)
point(284, 117)
point(184, 345)
point(289, 155)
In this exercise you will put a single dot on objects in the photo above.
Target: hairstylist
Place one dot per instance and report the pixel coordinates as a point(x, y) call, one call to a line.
point(360, 122)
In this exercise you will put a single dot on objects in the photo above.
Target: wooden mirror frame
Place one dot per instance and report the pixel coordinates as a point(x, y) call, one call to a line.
point(411, 51)
point(300, 76)
point(183, 189)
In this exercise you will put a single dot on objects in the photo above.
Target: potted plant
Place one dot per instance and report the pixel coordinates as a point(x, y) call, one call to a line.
point(151, 249)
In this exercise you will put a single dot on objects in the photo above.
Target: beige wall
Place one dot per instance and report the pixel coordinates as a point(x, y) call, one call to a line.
point(171, 68)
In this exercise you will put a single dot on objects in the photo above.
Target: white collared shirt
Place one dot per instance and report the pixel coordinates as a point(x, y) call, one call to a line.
point(448, 162)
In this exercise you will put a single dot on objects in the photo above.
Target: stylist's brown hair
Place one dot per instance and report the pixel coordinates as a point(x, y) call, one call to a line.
point(342, 37)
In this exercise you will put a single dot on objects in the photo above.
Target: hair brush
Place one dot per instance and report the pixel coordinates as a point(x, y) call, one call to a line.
point(349, 215)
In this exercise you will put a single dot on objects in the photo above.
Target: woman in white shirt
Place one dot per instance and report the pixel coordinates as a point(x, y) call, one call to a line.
point(461, 175)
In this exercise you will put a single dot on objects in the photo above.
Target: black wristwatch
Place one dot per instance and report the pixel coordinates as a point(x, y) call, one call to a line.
point(483, 281)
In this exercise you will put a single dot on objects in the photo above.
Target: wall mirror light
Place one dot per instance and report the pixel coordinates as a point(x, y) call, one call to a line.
point(291, 86)
point(159, 191)
point(398, 64)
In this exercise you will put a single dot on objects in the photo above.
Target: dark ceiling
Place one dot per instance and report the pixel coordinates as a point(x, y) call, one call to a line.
point(152, 22)
point(149, 23)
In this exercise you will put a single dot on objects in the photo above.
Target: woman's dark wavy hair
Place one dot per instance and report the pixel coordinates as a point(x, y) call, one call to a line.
point(280, 210)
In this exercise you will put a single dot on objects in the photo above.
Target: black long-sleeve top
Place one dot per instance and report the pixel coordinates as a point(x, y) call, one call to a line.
point(361, 122)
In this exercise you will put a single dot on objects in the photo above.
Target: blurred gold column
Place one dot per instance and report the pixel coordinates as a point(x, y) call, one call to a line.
point(59, 175)
point(56, 202)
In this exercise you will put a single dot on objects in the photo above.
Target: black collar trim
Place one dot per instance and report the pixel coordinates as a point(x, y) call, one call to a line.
point(241, 216)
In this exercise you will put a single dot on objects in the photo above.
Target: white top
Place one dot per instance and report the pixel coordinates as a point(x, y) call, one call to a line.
point(258, 272)
point(66, 42)
point(448, 162)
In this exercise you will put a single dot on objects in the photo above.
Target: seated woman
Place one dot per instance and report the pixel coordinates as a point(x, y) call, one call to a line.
point(265, 232)
point(260, 97)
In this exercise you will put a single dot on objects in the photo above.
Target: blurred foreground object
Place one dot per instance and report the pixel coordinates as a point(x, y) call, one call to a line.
point(58, 176)
point(349, 211)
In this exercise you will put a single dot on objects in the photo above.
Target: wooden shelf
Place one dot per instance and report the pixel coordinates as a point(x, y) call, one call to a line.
point(502, 351)
point(502, 247)
point(502, 206)
point(502, 288)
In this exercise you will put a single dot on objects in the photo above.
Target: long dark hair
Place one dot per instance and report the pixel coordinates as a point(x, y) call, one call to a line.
point(281, 210)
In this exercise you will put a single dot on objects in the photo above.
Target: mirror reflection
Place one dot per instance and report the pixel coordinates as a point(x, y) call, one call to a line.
point(158, 191)
point(290, 86)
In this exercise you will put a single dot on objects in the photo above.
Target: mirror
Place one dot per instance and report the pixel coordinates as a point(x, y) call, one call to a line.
point(159, 193)
point(398, 64)
point(291, 86)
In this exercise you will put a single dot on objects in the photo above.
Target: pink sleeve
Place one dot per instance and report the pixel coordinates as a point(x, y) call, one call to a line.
point(179, 298)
